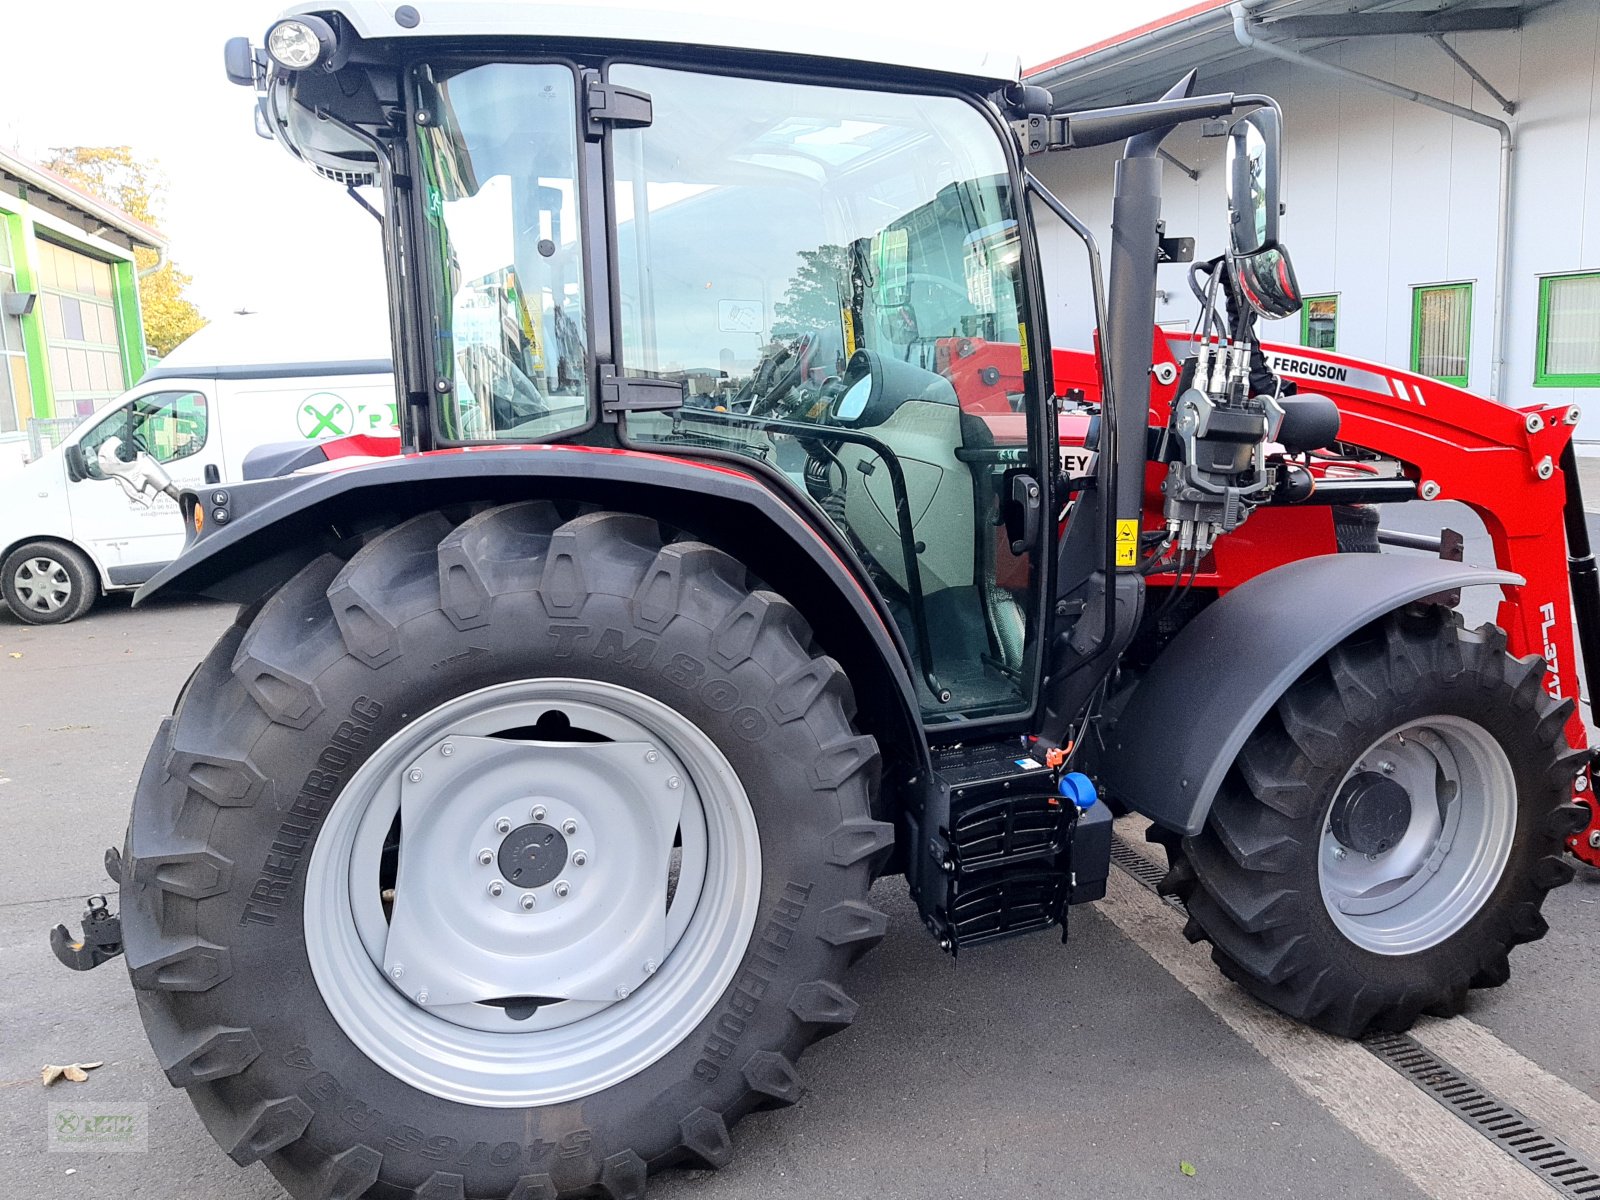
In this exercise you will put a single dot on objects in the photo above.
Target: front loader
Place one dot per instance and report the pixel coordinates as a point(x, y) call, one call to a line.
point(747, 539)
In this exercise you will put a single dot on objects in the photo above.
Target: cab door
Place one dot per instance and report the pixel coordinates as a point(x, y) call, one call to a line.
point(134, 538)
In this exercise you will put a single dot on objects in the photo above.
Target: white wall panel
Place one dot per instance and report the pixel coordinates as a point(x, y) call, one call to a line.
point(1384, 194)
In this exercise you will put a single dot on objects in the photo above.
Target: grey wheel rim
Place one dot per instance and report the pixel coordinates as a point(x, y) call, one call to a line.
point(640, 879)
point(1450, 842)
point(42, 584)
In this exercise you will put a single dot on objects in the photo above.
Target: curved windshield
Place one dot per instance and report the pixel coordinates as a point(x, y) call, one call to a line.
point(833, 274)
point(499, 161)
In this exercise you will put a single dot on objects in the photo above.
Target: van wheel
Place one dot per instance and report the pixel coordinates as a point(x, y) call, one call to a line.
point(48, 583)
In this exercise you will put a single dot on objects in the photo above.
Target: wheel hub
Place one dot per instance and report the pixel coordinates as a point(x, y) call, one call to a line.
point(460, 939)
point(1417, 835)
point(532, 855)
point(42, 584)
point(384, 948)
point(1371, 813)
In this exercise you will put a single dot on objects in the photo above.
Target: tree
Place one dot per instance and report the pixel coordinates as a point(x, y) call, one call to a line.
point(117, 177)
point(811, 302)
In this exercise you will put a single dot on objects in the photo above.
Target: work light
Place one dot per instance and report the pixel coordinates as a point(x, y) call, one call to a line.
point(300, 42)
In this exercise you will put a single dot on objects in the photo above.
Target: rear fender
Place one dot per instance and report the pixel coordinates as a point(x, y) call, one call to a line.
point(1189, 717)
point(272, 527)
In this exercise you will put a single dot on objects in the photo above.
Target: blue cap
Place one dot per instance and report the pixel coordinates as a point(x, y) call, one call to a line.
point(1079, 788)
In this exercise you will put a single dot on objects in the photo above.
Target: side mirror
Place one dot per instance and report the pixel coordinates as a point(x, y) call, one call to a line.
point(1252, 170)
point(136, 477)
point(1267, 283)
point(1259, 263)
point(77, 464)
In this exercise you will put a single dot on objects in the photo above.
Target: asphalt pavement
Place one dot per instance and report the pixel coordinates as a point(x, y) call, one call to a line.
point(1025, 1069)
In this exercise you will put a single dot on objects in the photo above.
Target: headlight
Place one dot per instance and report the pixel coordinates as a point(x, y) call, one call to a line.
point(300, 42)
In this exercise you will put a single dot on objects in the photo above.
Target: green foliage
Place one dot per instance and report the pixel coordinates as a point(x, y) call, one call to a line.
point(813, 297)
point(114, 174)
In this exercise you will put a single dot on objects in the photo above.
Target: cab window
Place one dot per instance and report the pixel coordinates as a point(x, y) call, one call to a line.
point(167, 426)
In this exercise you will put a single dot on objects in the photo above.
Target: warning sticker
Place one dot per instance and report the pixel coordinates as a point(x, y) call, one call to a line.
point(1128, 542)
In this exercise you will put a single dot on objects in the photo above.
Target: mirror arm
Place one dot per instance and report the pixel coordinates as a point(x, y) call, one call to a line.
point(1102, 126)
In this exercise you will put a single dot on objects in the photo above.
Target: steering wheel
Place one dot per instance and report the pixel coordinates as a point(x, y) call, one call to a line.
point(774, 378)
point(906, 313)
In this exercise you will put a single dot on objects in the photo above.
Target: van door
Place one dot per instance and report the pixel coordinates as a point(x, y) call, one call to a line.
point(175, 426)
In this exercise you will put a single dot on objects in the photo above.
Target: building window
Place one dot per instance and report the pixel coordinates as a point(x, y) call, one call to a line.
point(1319, 323)
point(1441, 331)
point(80, 328)
point(1569, 331)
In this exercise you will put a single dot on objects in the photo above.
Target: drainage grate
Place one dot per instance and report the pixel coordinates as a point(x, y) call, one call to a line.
point(1552, 1160)
point(1141, 868)
point(1565, 1170)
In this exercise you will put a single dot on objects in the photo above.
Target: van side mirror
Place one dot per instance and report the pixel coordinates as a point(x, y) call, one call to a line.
point(77, 465)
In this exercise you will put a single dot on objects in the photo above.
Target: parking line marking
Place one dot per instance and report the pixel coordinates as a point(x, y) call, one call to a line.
point(1430, 1147)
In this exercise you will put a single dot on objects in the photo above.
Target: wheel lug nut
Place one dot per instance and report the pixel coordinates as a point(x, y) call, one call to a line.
point(414, 775)
point(1339, 852)
point(397, 970)
point(651, 756)
point(422, 996)
point(527, 901)
point(502, 825)
point(1386, 767)
point(496, 888)
point(579, 858)
point(570, 827)
point(485, 856)
point(650, 967)
point(623, 993)
point(563, 888)
point(538, 812)
point(674, 783)
point(447, 750)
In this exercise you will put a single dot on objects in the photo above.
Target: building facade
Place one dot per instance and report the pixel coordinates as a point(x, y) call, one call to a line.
point(71, 334)
point(1407, 247)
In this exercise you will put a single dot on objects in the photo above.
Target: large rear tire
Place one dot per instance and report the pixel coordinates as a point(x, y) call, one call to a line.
point(1389, 832)
point(372, 765)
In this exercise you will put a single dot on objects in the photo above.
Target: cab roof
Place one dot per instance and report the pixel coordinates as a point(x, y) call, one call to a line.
point(519, 18)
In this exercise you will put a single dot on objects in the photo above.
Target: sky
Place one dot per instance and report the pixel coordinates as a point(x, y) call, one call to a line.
point(256, 229)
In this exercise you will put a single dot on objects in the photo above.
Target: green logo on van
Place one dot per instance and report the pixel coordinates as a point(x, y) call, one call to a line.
point(325, 415)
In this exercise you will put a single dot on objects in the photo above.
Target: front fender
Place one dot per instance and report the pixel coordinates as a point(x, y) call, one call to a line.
point(1189, 717)
point(272, 527)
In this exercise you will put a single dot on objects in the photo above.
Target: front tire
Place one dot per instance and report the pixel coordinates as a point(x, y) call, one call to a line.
point(284, 833)
point(1389, 832)
point(48, 583)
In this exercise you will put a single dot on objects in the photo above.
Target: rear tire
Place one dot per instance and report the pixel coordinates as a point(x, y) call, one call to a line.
point(1268, 882)
point(263, 763)
point(48, 583)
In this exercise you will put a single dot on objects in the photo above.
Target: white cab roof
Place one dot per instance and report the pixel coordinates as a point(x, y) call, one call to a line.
point(520, 18)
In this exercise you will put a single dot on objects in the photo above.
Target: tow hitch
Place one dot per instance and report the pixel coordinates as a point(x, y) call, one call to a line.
point(102, 930)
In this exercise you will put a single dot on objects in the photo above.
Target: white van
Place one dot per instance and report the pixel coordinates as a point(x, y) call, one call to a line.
point(68, 533)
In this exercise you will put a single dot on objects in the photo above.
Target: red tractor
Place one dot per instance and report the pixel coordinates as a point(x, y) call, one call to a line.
point(748, 540)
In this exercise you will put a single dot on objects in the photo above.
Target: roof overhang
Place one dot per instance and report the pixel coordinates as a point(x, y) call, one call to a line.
point(1142, 62)
point(93, 215)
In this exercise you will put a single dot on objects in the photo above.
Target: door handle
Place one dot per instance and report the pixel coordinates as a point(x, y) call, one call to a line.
point(1023, 510)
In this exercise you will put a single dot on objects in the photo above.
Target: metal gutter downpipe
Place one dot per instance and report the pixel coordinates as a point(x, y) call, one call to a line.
point(1241, 32)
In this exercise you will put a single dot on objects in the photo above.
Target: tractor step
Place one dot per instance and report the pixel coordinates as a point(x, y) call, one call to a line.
point(997, 844)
